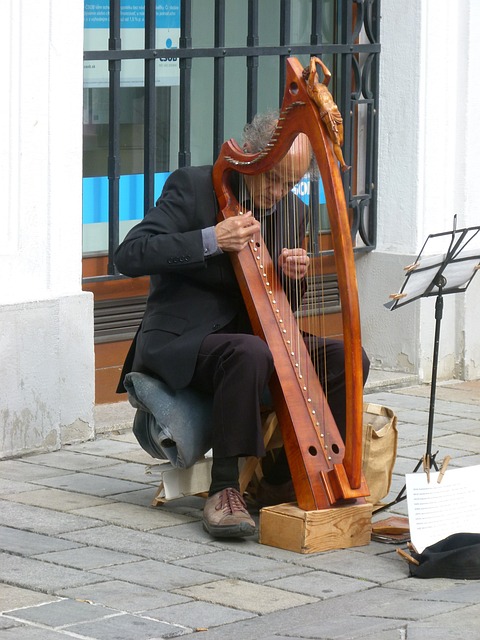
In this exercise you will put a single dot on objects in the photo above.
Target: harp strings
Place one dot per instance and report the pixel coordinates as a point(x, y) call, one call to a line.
point(264, 190)
point(316, 307)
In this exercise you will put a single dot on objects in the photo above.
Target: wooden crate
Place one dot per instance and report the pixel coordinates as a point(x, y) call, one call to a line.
point(286, 526)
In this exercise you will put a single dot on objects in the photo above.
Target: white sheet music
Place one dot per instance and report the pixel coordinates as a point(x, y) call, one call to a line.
point(449, 260)
point(435, 510)
point(456, 274)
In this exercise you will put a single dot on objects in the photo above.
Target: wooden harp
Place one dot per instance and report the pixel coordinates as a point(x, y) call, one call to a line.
point(326, 471)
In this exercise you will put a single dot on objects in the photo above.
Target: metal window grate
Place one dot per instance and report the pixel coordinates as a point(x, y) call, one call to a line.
point(355, 50)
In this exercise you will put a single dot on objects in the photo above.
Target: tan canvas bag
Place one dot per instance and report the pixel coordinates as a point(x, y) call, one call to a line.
point(380, 437)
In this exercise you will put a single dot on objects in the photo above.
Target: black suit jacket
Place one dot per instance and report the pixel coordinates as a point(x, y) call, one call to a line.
point(190, 296)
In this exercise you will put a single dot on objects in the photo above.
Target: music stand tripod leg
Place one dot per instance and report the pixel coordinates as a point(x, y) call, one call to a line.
point(429, 458)
point(433, 385)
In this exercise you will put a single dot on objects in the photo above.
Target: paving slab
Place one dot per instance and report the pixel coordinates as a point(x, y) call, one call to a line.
point(466, 461)
point(24, 472)
point(127, 471)
point(150, 573)
point(91, 484)
point(8, 623)
point(143, 544)
point(27, 543)
point(193, 531)
point(467, 591)
point(465, 425)
point(56, 499)
point(398, 633)
point(200, 616)
point(22, 632)
point(427, 588)
point(15, 597)
point(462, 441)
point(429, 631)
point(190, 505)
point(414, 416)
point(133, 516)
point(60, 613)
point(251, 547)
point(127, 627)
point(104, 447)
point(321, 584)
point(352, 627)
point(124, 596)
point(136, 455)
point(8, 487)
point(245, 596)
point(41, 520)
point(68, 459)
point(465, 620)
point(41, 576)
point(408, 432)
point(243, 566)
point(396, 400)
point(347, 562)
point(404, 464)
point(396, 604)
point(465, 391)
point(455, 409)
point(416, 452)
point(143, 497)
point(87, 558)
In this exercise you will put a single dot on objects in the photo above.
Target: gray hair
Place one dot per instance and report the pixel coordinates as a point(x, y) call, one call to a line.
point(258, 133)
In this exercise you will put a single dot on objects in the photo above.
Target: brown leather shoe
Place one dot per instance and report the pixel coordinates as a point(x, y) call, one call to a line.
point(269, 494)
point(225, 515)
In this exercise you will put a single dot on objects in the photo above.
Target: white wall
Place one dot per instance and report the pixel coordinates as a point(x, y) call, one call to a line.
point(469, 304)
point(47, 370)
point(428, 166)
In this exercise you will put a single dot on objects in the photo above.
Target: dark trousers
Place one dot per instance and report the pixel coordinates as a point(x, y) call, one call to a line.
point(329, 360)
point(236, 367)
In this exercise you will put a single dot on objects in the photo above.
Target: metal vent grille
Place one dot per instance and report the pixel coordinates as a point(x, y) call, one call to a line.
point(116, 320)
point(322, 296)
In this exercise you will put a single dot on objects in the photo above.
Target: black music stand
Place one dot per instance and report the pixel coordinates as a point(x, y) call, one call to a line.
point(448, 269)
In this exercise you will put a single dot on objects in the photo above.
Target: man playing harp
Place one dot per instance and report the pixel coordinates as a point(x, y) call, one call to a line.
point(196, 330)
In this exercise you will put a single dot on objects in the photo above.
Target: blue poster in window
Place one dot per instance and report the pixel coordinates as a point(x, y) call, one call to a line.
point(302, 191)
point(95, 197)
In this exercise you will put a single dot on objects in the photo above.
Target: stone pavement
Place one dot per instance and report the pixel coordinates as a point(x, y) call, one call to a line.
point(83, 555)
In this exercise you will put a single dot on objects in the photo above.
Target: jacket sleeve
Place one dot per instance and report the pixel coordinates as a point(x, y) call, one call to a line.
point(169, 238)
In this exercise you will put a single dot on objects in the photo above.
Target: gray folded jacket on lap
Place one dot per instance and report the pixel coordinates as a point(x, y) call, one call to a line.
point(170, 425)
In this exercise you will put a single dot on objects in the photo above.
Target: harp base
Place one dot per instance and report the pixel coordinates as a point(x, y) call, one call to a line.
point(286, 526)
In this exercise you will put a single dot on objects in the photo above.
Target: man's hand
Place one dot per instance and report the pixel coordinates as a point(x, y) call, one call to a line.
point(233, 234)
point(294, 263)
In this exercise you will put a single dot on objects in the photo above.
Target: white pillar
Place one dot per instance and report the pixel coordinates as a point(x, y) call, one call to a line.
point(428, 167)
point(46, 341)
